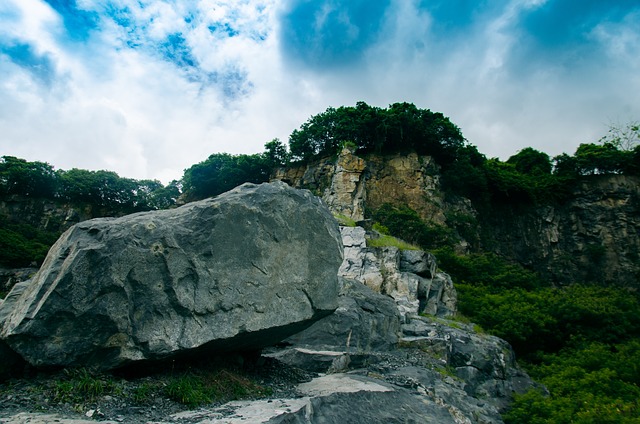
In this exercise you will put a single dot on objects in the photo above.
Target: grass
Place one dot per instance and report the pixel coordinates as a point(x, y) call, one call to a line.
point(390, 241)
point(196, 388)
point(189, 385)
point(344, 220)
point(82, 386)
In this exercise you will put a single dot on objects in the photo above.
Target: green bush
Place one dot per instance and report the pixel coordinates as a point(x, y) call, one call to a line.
point(198, 387)
point(405, 223)
point(22, 244)
point(594, 383)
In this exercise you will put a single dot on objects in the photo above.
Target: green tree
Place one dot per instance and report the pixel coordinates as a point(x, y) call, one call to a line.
point(221, 172)
point(34, 179)
point(276, 154)
point(531, 161)
point(601, 159)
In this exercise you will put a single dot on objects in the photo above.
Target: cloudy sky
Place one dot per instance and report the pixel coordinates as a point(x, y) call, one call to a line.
point(147, 88)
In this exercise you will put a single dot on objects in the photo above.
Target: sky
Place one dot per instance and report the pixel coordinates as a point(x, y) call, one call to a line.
point(147, 88)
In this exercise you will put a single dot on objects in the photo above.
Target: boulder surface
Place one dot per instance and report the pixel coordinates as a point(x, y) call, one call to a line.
point(237, 272)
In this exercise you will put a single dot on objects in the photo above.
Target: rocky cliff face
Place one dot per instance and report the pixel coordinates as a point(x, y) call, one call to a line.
point(47, 214)
point(350, 184)
point(592, 237)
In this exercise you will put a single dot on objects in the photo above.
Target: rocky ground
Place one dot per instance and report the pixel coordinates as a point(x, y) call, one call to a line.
point(80, 396)
point(129, 398)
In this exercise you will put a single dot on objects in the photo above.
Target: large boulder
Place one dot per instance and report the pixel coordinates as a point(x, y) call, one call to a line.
point(237, 272)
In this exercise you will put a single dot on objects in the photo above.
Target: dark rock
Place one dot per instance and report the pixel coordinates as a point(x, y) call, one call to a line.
point(237, 272)
point(486, 364)
point(418, 262)
point(364, 321)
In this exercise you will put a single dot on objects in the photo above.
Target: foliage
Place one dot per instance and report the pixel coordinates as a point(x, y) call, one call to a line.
point(222, 172)
point(400, 127)
point(487, 270)
point(33, 179)
point(81, 386)
point(406, 224)
point(579, 341)
point(198, 387)
point(23, 244)
point(276, 154)
point(593, 383)
point(390, 241)
point(531, 162)
point(344, 220)
point(624, 137)
point(106, 189)
point(103, 189)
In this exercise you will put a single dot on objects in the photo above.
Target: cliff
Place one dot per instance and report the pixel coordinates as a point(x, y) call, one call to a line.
point(593, 236)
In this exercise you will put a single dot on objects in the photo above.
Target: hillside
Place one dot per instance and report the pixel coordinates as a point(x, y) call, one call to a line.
point(543, 251)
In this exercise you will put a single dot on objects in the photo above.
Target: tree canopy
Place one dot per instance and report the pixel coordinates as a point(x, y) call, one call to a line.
point(401, 127)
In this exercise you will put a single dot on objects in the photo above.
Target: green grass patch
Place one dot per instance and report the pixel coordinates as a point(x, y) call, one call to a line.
point(386, 241)
point(344, 220)
point(195, 388)
point(81, 385)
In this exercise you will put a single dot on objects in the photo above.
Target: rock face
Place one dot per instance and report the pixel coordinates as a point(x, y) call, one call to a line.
point(237, 272)
point(350, 184)
point(410, 277)
point(594, 236)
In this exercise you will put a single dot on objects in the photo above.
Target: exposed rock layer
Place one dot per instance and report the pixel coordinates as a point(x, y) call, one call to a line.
point(593, 236)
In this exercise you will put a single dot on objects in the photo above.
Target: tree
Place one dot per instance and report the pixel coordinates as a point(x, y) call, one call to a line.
point(531, 161)
point(601, 159)
point(34, 179)
point(624, 137)
point(402, 127)
point(276, 154)
point(221, 172)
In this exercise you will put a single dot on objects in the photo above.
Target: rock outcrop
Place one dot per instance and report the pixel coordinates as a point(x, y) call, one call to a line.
point(350, 184)
point(410, 277)
point(461, 375)
point(237, 272)
point(390, 330)
point(592, 236)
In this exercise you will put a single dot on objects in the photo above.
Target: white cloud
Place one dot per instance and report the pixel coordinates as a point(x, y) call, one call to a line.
point(136, 112)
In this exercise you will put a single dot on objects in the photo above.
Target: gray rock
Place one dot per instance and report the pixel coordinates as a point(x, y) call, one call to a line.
point(364, 321)
point(486, 364)
point(418, 262)
point(410, 277)
point(237, 272)
point(10, 362)
point(338, 398)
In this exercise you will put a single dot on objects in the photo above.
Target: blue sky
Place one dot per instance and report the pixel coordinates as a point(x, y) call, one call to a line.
point(148, 88)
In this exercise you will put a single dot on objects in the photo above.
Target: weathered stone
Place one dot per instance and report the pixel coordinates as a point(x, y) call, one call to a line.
point(345, 194)
point(237, 272)
point(365, 321)
point(9, 277)
point(418, 262)
point(390, 271)
point(593, 236)
point(485, 363)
